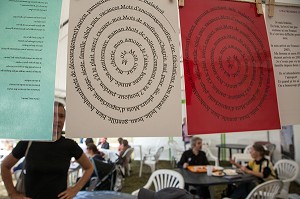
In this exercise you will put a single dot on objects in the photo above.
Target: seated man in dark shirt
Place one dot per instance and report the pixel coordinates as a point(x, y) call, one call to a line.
point(195, 156)
point(103, 143)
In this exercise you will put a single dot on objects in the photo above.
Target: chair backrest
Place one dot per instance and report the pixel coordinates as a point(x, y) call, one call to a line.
point(176, 150)
point(128, 152)
point(287, 170)
point(164, 178)
point(210, 155)
point(271, 148)
point(266, 190)
point(248, 149)
point(158, 153)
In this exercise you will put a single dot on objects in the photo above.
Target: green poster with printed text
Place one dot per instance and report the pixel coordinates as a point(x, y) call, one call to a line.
point(28, 46)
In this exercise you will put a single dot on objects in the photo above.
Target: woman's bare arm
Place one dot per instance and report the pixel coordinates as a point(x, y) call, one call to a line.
point(88, 168)
point(6, 165)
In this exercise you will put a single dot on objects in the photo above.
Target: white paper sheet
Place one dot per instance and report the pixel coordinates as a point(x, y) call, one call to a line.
point(123, 69)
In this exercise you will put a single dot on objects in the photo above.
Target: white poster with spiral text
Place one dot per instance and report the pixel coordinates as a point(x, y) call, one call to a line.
point(123, 74)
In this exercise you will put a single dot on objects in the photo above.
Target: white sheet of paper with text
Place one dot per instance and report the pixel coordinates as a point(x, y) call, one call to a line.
point(123, 74)
point(284, 33)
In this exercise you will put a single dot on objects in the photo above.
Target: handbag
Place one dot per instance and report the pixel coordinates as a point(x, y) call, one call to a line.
point(20, 186)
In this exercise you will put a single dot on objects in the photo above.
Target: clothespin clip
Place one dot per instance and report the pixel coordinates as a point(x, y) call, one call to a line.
point(181, 3)
point(259, 7)
point(271, 8)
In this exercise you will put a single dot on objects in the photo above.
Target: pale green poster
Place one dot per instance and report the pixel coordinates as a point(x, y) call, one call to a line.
point(28, 45)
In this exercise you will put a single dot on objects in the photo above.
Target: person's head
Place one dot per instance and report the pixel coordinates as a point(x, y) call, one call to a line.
point(258, 151)
point(91, 149)
point(120, 140)
point(125, 143)
point(196, 143)
point(59, 118)
point(89, 140)
point(103, 140)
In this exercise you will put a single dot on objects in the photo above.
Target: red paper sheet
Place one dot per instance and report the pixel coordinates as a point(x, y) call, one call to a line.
point(229, 76)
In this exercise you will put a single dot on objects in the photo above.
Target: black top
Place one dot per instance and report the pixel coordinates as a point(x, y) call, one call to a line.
point(105, 145)
point(47, 165)
point(98, 157)
point(189, 157)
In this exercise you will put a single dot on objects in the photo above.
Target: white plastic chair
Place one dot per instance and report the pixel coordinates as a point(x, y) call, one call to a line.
point(266, 190)
point(73, 175)
point(210, 155)
point(176, 151)
point(243, 157)
point(287, 171)
point(271, 148)
point(151, 160)
point(163, 178)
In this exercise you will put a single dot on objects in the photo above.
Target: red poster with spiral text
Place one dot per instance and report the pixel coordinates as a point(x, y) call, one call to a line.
point(228, 68)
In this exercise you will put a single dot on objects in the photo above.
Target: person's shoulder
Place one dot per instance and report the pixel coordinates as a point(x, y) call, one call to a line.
point(22, 144)
point(189, 151)
point(266, 162)
point(67, 140)
point(98, 157)
point(251, 163)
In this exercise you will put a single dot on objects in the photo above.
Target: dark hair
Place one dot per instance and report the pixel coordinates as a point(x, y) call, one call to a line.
point(260, 149)
point(120, 140)
point(89, 140)
point(93, 147)
point(125, 143)
point(59, 104)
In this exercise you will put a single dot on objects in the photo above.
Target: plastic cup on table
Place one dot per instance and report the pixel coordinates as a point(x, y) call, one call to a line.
point(209, 170)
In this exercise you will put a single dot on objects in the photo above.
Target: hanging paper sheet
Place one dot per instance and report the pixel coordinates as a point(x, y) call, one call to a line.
point(28, 45)
point(284, 33)
point(123, 73)
point(229, 76)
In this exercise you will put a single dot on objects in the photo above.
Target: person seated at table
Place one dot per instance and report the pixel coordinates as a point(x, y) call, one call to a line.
point(101, 167)
point(103, 144)
point(94, 153)
point(260, 167)
point(124, 161)
point(120, 140)
point(124, 147)
point(195, 156)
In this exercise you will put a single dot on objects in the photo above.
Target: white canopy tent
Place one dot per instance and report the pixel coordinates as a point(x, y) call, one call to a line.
point(241, 138)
